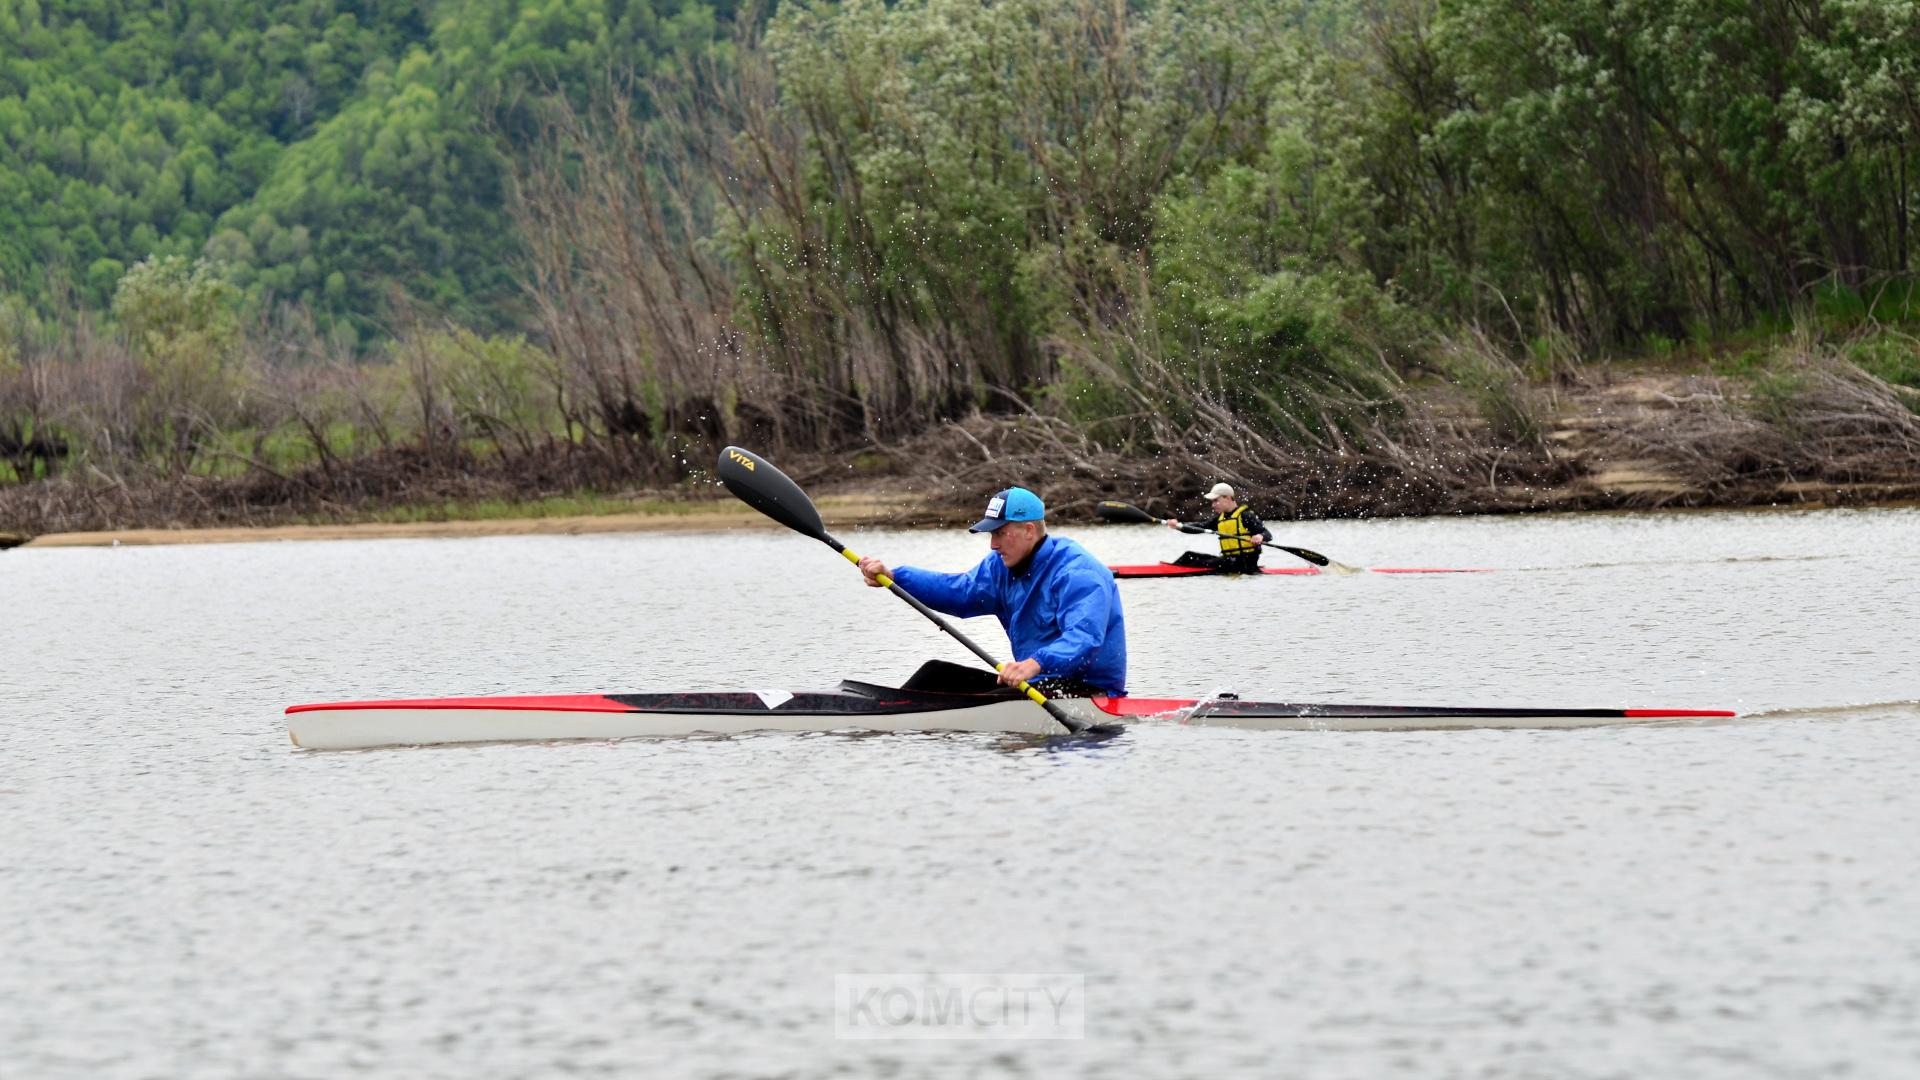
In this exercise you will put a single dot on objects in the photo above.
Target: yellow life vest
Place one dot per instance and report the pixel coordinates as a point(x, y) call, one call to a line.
point(1233, 533)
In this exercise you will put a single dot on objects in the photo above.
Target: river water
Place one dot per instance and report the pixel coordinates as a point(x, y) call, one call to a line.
point(182, 893)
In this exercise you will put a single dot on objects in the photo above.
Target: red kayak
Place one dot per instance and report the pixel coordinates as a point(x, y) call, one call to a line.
point(1170, 570)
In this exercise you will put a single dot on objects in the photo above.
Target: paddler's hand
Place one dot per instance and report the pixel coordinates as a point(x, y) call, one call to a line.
point(1170, 523)
point(873, 570)
point(1018, 672)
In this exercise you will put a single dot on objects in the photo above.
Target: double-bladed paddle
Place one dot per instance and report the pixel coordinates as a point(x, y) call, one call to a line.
point(755, 481)
point(1127, 513)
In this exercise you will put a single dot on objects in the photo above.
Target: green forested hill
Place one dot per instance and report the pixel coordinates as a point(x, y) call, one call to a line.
point(1355, 249)
point(324, 149)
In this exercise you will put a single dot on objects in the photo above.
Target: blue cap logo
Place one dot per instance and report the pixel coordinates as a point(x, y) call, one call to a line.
point(1013, 504)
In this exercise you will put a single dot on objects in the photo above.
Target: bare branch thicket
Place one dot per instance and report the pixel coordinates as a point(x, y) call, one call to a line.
point(311, 377)
point(1819, 425)
point(1172, 425)
point(30, 443)
point(95, 386)
point(862, 294)
point(624, 286)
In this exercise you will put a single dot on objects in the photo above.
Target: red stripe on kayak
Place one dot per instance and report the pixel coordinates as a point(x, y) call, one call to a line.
point(553, 702)
point(1135, 706)
point(1678, 712)
point(1170, 570)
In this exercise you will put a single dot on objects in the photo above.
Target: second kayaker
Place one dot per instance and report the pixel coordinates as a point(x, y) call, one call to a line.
point(1059, 604)
point(1241, 534)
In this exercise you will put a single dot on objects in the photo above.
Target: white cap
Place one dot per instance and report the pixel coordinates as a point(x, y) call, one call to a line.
point(1220, 491)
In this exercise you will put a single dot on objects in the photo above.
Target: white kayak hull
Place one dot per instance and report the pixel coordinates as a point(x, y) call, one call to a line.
point(363, 728)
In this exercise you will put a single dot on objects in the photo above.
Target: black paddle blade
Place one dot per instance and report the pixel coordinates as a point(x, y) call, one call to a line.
point(1313, 557)
point(1125, 513)
point(755, 481)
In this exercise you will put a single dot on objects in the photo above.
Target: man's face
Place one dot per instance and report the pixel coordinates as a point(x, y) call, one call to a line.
point(1221, 504)
point(1014, 540)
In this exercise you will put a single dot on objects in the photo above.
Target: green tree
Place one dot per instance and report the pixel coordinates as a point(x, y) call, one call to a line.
point(182, 321)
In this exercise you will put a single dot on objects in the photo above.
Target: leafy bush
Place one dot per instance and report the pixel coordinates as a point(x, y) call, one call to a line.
point(498, 389)
point(1890, 356)
point(182, 321)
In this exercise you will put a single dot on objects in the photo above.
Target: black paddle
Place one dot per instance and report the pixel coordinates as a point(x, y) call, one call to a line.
point(1126, 513)
point(755, 481)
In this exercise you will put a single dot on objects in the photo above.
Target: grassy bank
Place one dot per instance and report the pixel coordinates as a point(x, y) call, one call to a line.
point(1780, 421)
point(606, 515)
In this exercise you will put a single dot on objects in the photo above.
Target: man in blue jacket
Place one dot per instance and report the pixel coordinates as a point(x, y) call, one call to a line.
point(1059, 604)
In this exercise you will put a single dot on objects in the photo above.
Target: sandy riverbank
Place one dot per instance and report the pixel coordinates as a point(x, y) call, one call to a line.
point(836, 510)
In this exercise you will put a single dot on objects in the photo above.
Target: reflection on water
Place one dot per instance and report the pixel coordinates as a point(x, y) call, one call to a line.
point(182, 893)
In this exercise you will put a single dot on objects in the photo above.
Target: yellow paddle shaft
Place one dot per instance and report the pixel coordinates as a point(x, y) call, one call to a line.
point(885, 581)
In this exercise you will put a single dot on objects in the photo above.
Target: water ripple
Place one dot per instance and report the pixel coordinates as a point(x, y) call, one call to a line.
point(183, 893)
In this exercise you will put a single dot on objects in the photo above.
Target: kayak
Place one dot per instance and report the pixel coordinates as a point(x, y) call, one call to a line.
point(1170, 570)
point(858, 706)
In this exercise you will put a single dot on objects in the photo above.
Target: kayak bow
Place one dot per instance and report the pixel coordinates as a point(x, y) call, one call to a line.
point(857, 706)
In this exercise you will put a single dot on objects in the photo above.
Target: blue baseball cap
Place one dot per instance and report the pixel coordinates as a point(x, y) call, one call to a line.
point(1013, 504)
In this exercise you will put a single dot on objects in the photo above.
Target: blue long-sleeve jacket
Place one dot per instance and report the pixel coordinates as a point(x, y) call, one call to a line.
point(1062, 609)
